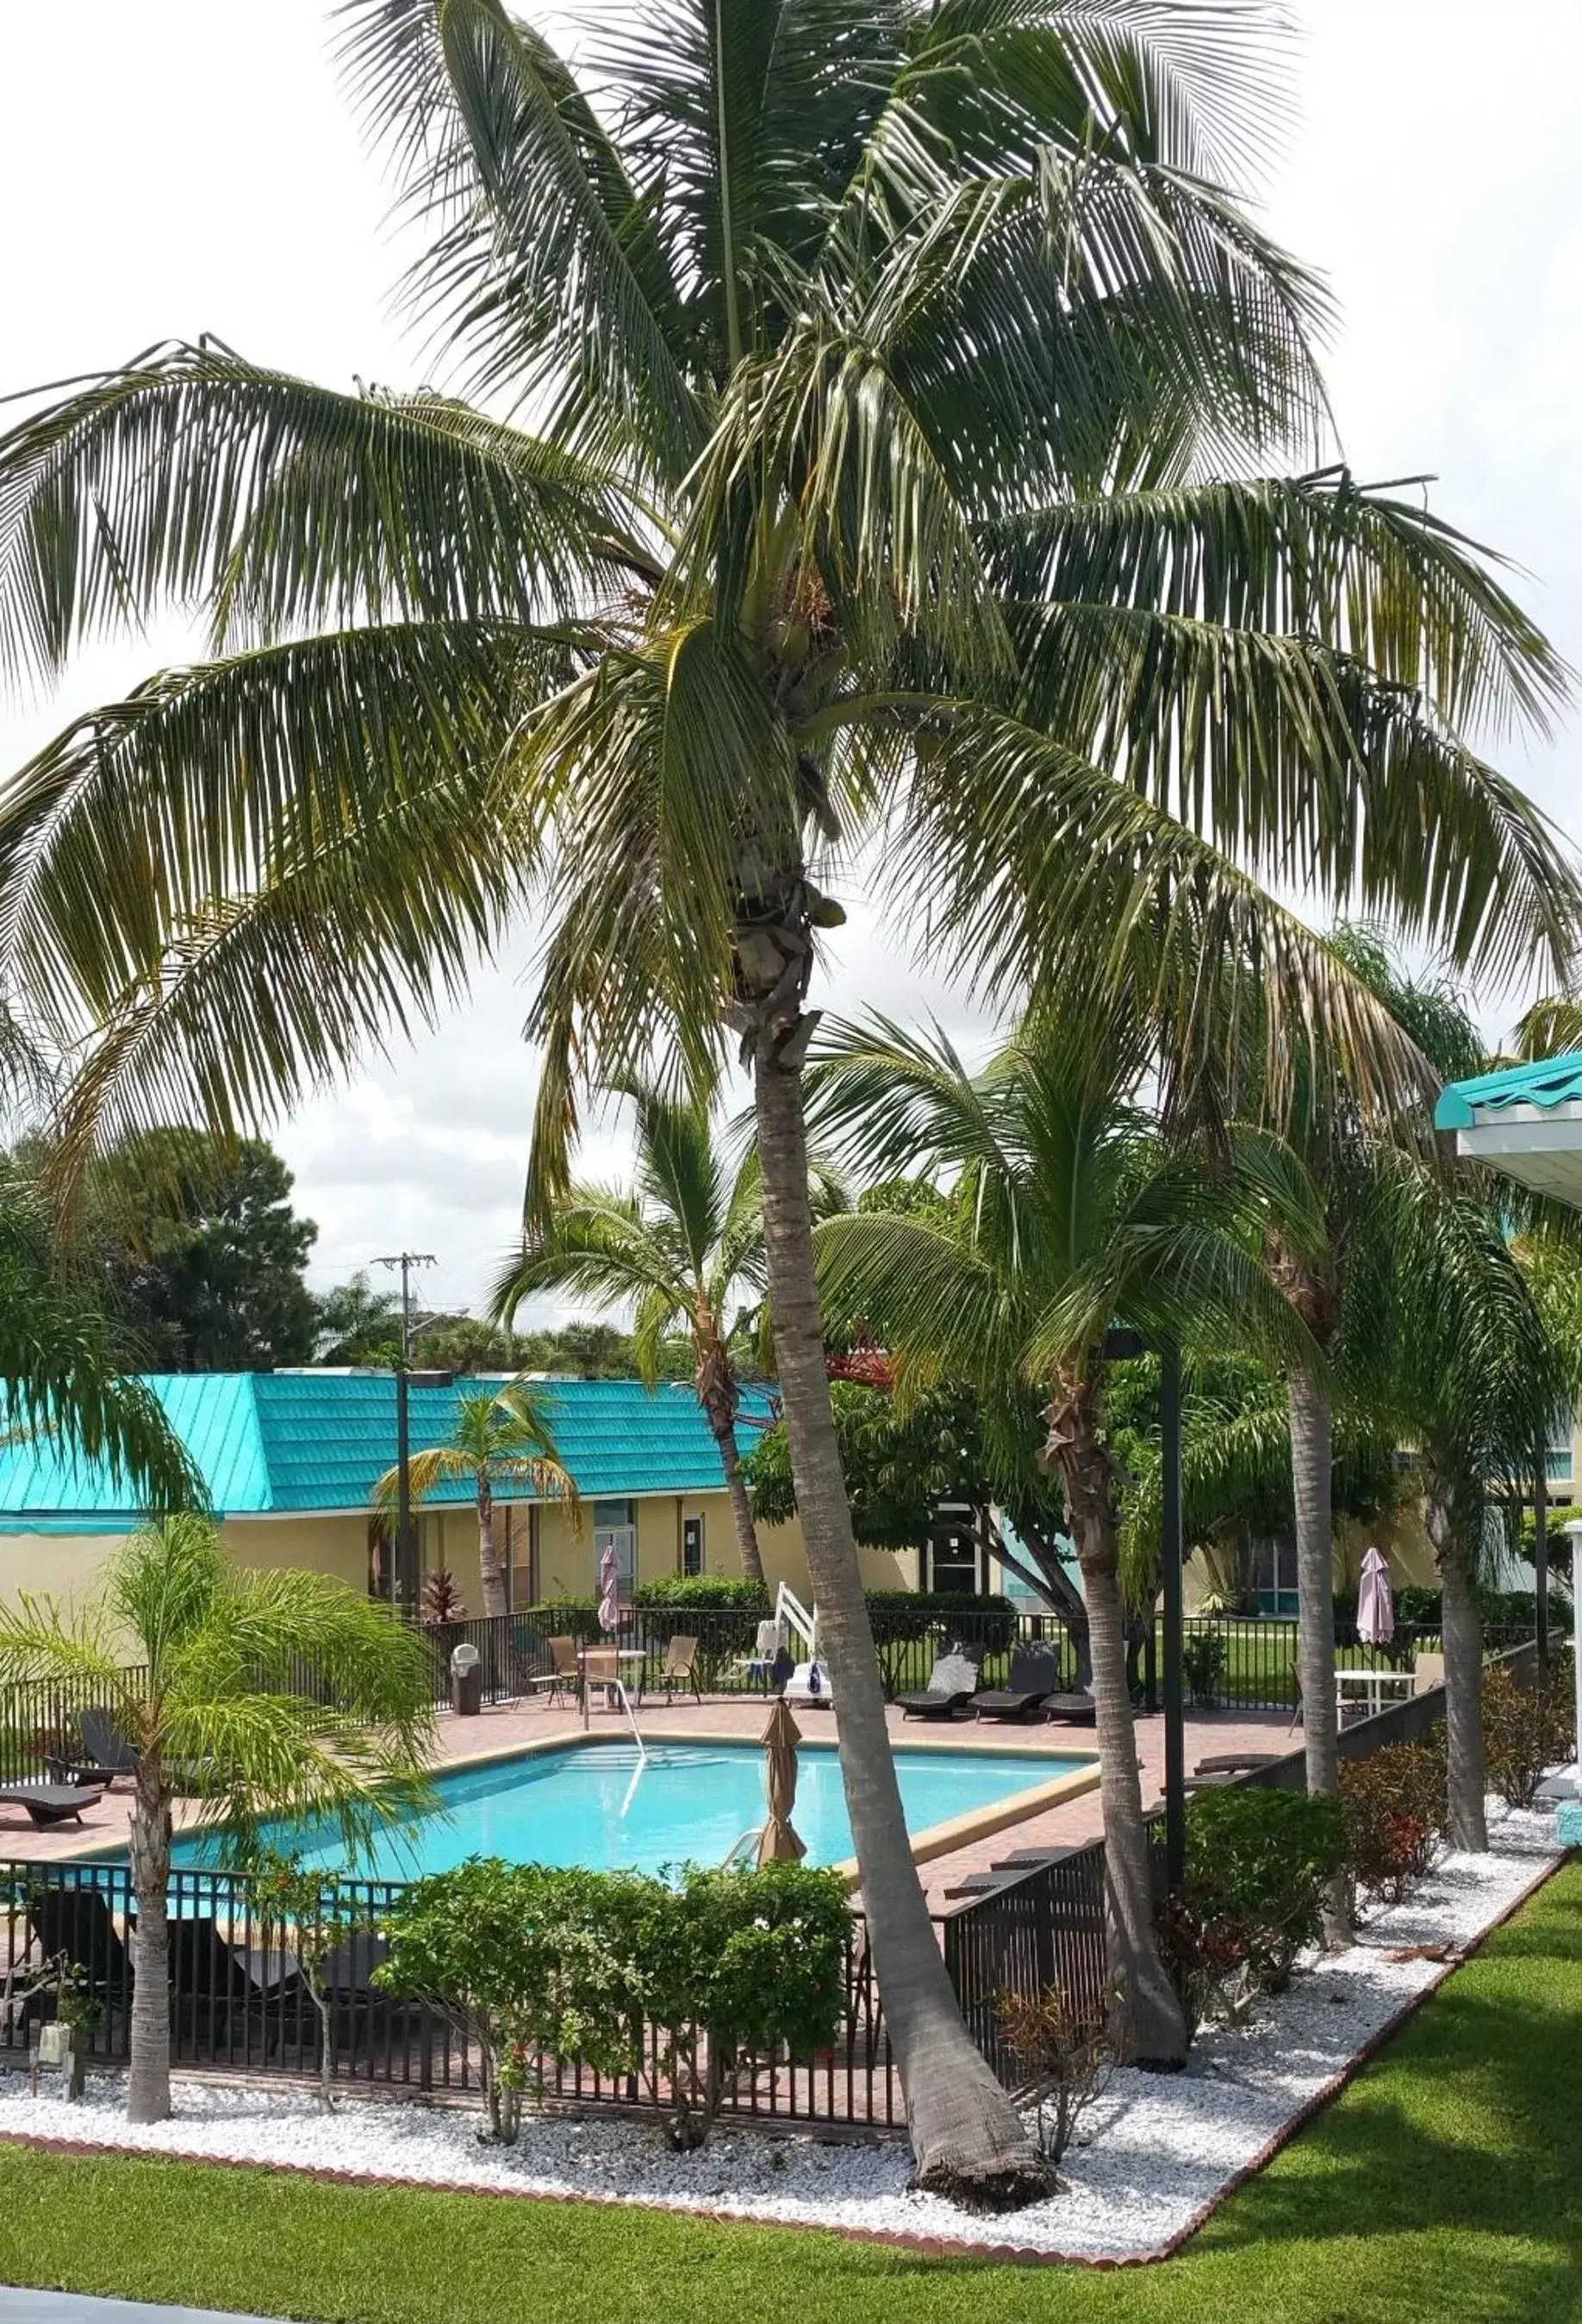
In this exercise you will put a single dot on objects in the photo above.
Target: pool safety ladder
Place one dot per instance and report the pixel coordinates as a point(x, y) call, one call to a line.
point(739, 1846)
point(810, 1681)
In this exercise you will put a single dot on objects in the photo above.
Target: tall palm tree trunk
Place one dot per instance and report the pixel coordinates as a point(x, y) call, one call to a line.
point(1150, 2025)
point(490, 1572)
point(716, 1389)
point(148, 2080)
point(1461, 1626)
point(1312, 1472)
point(968, 2140)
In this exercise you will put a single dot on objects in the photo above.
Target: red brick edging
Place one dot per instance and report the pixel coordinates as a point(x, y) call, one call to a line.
point(927, 2246)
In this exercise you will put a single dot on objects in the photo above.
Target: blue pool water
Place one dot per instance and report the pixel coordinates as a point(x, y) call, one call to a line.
point(691, 1803)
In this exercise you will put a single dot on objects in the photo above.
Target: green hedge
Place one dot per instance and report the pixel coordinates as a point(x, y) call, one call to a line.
point(706, 1593)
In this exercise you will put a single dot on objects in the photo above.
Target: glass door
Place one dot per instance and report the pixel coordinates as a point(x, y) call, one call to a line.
point(615, 1527)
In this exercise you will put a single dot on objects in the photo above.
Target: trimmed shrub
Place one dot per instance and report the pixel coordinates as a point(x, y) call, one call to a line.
point(567, 1617)
point(1526, 1731)
point(1258, 1862)
point(1065, 2052)
point(626, 1975)
point(705, 1593)
point(1396, 1814)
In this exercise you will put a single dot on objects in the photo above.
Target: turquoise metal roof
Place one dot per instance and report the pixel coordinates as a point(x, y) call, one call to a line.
point(1554, 1081)
point(274, 1443)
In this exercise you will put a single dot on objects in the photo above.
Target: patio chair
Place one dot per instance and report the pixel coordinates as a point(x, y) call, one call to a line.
point(564, 1674)
point(104, 1747)
point(757, 1668)
point(1427, 1670)
point(1078, 1709)
point(1035, 1677)
point(77, 1924)
point(951, 1684)
point(679, 1668)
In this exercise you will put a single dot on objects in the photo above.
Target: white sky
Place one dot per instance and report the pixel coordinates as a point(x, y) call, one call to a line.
point(178, 166)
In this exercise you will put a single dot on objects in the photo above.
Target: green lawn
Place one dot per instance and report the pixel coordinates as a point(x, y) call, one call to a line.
point(1446, 2184)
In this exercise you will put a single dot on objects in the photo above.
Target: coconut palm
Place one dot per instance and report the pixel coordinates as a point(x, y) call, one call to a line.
point(880, 357)
point(685, 1246)
point(499, 1440)
point(1068, 1214)
point(262, 1693)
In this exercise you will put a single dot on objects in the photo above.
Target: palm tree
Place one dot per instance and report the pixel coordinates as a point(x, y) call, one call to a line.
point(63, 1368)
point(1478, 1382)
point(227, 1703)
point(684, 1245)
point(501, 1439)
point(1352, 1165)
point(1068, 1214)
point(881, 355)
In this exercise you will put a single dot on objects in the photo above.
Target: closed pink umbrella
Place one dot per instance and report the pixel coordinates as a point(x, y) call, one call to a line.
point(610, 1589)
point(1376, 1602)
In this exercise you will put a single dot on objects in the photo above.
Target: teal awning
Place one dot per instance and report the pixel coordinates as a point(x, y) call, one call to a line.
point(1524, 1122)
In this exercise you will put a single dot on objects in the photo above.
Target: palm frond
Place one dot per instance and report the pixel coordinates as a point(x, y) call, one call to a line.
point(198, 479)
point(544, 272)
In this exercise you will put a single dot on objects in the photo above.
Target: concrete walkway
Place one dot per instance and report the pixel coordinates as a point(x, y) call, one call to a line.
point(76, 2308)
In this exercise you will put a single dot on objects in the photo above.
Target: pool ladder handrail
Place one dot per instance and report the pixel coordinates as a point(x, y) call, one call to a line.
point(743, 1839)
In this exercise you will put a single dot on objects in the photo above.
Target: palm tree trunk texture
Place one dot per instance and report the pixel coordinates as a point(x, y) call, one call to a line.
point(488, 1567)
point(1462, 1626)
point(148, 2080)
point(1150, 2025)
point(1312, 1470)
point(722, 1420)
point(968, 2140)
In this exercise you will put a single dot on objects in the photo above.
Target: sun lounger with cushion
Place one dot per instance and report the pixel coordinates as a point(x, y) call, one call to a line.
point(1035, 1677)
point(951, 1684)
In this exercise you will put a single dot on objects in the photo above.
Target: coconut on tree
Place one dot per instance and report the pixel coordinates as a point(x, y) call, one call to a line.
point(258, 1694)
point(500, 1440)
point(683, 1247)
point(1069, 1213)
point(881, 358)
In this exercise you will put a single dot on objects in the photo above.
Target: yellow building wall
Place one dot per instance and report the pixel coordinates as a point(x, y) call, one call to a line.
point(785, 1556)
point(336, 1546)
point(66, 1566)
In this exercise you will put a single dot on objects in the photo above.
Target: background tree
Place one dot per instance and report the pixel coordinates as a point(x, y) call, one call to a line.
point(358, 1321)
point(265, 1694)
point(65, 1366)
point(1072, 1216)
point(683, 1248)
point(499, 1440)
point(879, 401)
point(202, 1254)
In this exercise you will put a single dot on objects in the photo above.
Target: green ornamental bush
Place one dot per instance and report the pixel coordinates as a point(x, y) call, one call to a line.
point(1526, 1731)
point(672, 1985)
point(705, 1593)
point(1204, 1657)
point(1258, 1862)
point(1396, 1813)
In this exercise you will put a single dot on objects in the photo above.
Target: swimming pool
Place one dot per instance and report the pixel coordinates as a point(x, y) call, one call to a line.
point(597, 1805)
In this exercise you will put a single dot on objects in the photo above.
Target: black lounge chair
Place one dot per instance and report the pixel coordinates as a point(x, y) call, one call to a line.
point(951, 1684)
point(49, 1804)
point(1035, 1677)
point(77, 1925)
point(104, 1745)
point(1080, 1709)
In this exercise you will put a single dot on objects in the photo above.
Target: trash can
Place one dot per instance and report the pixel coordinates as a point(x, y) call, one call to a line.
point(467, 1681)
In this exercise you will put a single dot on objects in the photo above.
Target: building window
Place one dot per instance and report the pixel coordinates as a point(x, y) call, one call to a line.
point(692, 1545)
point(615, 1528)
point(1274, 1576)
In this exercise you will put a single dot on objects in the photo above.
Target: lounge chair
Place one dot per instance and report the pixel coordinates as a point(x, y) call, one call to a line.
point(49, 1804)
point(679, 1668)
point(1035, 1677)
point(77, 1925)
point(104, 1747)
point(951, 1684)
point(1080, 1709)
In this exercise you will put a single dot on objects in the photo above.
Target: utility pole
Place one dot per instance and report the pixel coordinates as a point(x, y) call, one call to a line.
point(404, 1555)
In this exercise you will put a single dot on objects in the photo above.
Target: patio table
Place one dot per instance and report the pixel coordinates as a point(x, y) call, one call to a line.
point(1367, 1688)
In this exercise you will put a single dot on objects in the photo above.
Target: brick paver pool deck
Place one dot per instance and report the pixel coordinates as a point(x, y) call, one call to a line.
point(737, 1718)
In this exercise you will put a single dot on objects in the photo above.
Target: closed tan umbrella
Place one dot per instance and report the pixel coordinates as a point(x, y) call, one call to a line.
point(778, 1840)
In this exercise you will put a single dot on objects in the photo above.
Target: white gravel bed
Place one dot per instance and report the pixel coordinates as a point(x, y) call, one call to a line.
point(1155, 2155)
